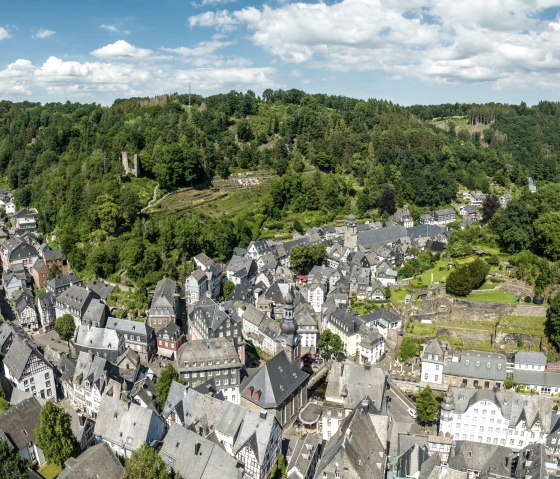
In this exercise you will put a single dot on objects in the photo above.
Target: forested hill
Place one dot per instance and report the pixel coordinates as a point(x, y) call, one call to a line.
point(65, 159)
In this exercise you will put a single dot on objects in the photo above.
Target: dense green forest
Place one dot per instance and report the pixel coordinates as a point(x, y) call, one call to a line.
point(332, 154)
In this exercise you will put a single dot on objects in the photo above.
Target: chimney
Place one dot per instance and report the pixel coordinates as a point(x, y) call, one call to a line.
point(126, 405)
point(197, 449)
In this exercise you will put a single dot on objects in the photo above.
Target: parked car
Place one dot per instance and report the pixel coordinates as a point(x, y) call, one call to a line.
point(412, 412)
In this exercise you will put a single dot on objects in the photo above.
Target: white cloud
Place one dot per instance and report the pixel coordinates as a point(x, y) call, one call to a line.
point(44, 33)
point(201, 49)
point(506, 42)
point(210, 3)
point(121, 49)
point(4, 33)
point(110, 27)
point(58, 79)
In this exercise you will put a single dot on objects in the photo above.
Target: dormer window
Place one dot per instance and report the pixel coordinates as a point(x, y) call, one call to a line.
point(466, 362)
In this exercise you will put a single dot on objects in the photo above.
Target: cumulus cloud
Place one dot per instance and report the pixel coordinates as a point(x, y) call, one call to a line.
point(43, 33)
point(4, 33)
point(507, 42)
point(103, 81)
point(111, 27)
point(121, 49)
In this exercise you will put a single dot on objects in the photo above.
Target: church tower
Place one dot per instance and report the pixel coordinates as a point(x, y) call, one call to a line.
point(351, 233)
point(289, 337)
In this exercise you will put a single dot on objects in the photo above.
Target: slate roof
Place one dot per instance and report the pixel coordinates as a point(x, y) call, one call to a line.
point(433, 347)
point(351, 382)
point(76, 297)
point(97, 338)
point(213, 349)
point(91, 368)
point(410, 463)
point(427, 231)
point(530, 358)
point(52, 255)
point(120, 423)
point(480, 365)
point(195, 457)
point(18, 355)
point(536, 378)
point(302, 455)
point(63, 281)
point(87, 465)
point(17, 249)
point(480, 457)
point(212, 315)
point(24, 300)
point(381, 235)
point(384, 316)
point(164, 294)
point(354, 449)
point(126, 326)
point(276, 380)
point(101, 288)
point(514, 406)
point(18, 423)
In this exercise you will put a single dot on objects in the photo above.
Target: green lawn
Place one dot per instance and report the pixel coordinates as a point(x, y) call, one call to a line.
point(493, 297)
point(50, 471)
point(479, 325)
point(487, 286)
point(522, 324)
point(439, 271)
point(421, 329)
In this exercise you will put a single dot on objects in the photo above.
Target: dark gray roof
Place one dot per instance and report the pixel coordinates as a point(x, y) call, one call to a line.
point(302, 457)
point(481, 457)
point(126, 326)
point(410, 463)
point(101, 288)
point(276, 380)
point(219, 350)
point(381, 235)
point(97, 462)
point(479, 365)
point(536, 378)
point(530, 357)
point(18, 355)
point(381, 315)
point(350, 383)
point(18, 423)
point(354, 449)
point(76, 297)
point(165, 293)
point(18, 249)
point(52, 255)
point(63, 281)
point(429, 231)
point(195, 457)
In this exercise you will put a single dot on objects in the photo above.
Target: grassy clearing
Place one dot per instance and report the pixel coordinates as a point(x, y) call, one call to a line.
point(143, 187)
point(50, 471)
point(493, 297)
point(422, 329)
point(478, 325)
point(522, 324)
point(439, 271)
point(487, 286)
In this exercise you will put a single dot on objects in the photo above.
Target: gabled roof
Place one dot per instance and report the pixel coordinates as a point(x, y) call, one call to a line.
point(530, 358)
point(276, 380)
point(76, 297)
point(101, 288)
point(213, 314)
point(165, 294)
point(63, 281)
point(87, 464)
point(195, 457)
point(19, 354)
point(355, 449)
point(17, 249)
point(480, 457)
point(18, 423)
point(126, 326)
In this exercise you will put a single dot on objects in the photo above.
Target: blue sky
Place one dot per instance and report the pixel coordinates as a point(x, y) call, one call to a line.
point(406, 51)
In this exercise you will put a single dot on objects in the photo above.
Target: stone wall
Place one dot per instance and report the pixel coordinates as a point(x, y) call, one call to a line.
point(466, 335)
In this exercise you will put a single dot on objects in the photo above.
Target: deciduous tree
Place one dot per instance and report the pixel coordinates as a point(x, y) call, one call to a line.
point(54, 434)
point(11, 465)
point(65, 327)
point(145, 463)
point(552, 324)
point(426, 406)
point(167, 376)
point(330, 343)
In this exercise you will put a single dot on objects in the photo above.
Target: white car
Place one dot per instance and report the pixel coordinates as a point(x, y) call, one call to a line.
point(412, 412)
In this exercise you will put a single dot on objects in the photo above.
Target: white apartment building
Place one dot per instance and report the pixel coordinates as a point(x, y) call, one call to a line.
point(505, 418)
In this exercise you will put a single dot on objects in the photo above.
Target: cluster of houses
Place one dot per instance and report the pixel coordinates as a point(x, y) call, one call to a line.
point(225, 419)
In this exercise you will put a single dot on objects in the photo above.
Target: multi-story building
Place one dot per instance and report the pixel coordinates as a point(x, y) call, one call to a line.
point(196, 286)
point(488, 416)
point(433, 360)
point(62, 283)
point(93, 377)
point(371, 346)
point(47, 311)
point(164, 308)
point(215, 358)
point(16, 251)
point(25, 366)
point(25, 309)
point(316, 293)
point(25, 220)
point(252, 437)
point(476, 369)
point(278, 388)
point(348, 384)
point(73, 301)
point(125, 426)
point(137, 336)
point(307, 327)
point(169, 340)
point(346, 324)
point(212, 320)
point(106, 343)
